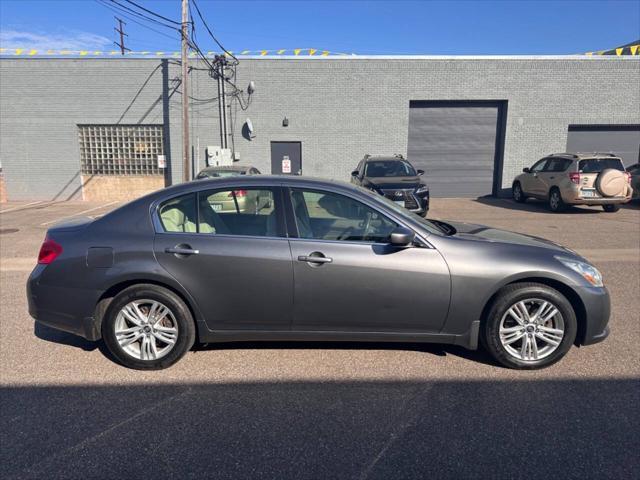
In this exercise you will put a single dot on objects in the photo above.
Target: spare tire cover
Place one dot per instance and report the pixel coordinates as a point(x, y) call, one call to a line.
point(611, 183)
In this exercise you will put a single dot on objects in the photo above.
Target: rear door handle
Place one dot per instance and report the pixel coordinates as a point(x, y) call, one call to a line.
point(182, 251)
point(314, 259)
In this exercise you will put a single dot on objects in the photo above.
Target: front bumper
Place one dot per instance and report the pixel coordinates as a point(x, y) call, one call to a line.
point(65, 309)
point(597, 310)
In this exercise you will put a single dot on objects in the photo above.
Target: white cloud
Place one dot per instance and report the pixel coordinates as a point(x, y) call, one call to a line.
point(43, 41)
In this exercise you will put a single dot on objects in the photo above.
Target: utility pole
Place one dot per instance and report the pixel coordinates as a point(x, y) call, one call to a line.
point(120, 30)
point(185, 96)
point(220, 62)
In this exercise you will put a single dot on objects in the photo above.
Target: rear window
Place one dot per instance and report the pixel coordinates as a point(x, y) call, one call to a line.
point(596, 165)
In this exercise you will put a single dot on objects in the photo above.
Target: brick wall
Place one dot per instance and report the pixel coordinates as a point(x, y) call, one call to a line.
point(104, 188)
point(339, 109)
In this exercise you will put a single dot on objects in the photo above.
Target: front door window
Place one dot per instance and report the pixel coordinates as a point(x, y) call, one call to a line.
point(331, 216)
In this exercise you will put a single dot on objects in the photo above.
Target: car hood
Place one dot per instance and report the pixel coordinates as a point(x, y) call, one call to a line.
point(393, 182)
point(471, 231)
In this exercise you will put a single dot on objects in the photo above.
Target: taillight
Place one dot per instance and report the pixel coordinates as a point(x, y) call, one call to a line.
point(238, 193)
point(574, 177)
point(49, 251)
point(628, 175)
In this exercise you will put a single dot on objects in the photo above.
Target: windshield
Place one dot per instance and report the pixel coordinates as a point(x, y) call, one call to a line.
point(426, 224)
point(389, 168)
point(596, 165)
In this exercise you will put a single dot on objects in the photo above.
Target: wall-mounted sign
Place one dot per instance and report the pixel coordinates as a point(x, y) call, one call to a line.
point(286, 164)
point(162, 161)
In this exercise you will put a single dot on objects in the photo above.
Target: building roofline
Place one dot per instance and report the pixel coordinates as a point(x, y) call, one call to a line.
point(340, 57)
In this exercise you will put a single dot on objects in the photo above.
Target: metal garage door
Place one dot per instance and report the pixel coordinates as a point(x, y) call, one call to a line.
point(622, 140)
point(459, 145)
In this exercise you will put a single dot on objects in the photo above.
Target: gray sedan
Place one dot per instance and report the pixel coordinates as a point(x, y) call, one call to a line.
point(324, 261)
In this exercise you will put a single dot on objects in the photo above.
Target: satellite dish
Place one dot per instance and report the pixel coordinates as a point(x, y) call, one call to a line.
point(249, 126)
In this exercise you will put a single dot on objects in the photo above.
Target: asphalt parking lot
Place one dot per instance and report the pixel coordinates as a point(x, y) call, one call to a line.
point(312, 411)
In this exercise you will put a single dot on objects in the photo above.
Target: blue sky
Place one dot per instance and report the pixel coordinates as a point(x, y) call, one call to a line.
point(361, 27)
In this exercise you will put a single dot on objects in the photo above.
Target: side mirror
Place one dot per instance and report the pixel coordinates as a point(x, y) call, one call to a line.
point(526, 170)
point(355, 173)
point(401, 237)
point(420, 172)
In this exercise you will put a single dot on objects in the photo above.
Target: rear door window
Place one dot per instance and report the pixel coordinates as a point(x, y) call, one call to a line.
point(596, 165)
point(557, 165)
point(241, 211)
point(178, 215)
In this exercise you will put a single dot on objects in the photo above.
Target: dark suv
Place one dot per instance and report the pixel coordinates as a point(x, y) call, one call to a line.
point(395, 178)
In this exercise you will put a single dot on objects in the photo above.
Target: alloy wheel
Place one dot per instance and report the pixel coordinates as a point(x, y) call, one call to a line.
point(531, 329)
point(554, 200)
point(146, 329)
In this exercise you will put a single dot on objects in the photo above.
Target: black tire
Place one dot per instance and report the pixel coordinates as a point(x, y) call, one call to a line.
point(556, 204)
point(506, 298)
point(611, 208)
point(518, 193)
point(181, 313)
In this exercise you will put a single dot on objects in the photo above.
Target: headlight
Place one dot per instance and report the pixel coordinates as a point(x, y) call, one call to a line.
point(588, 272)
point(422, 190)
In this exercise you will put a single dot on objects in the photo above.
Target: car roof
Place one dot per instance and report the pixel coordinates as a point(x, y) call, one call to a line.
point(229, 168)
point(583, 155)
point(369, 158)
point(249, 180)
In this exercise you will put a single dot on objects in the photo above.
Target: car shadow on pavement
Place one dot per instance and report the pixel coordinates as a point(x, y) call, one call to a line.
point(49, 334)
point(578, 428)
point(535, 206)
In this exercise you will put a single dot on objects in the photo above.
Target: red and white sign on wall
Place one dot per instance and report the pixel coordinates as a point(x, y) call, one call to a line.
point(286, 164)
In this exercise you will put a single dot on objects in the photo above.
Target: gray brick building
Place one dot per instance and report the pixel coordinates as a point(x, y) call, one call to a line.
point(472, 122)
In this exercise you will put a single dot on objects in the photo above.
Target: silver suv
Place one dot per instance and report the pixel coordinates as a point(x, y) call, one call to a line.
point(575, 179)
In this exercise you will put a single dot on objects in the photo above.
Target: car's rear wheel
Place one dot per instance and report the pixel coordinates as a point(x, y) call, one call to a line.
point(148, 327)
point(518, 194)
point(611, 208)
point(529, 326)
point(556, 204)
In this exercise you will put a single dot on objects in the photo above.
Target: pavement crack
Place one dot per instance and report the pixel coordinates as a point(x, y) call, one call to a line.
point(396, 433)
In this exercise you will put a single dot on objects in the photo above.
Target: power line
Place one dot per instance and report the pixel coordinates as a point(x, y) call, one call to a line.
point(140, 15)
point(128, 17)
point(210, 32)
point(152, 13)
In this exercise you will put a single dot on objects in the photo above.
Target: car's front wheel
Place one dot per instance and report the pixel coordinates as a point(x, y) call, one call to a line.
point(148, 327)
point(529, 326)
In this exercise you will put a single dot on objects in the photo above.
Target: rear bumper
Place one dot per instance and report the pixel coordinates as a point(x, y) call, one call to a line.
point(597, 306)
point(575, 198)
point(68, 310)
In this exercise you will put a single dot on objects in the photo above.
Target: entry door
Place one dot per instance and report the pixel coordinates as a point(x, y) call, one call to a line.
point(286, 158)
point(349, 279)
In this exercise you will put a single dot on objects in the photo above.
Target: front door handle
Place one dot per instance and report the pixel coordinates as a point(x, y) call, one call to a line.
point(315, 257)
point(182, 250)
